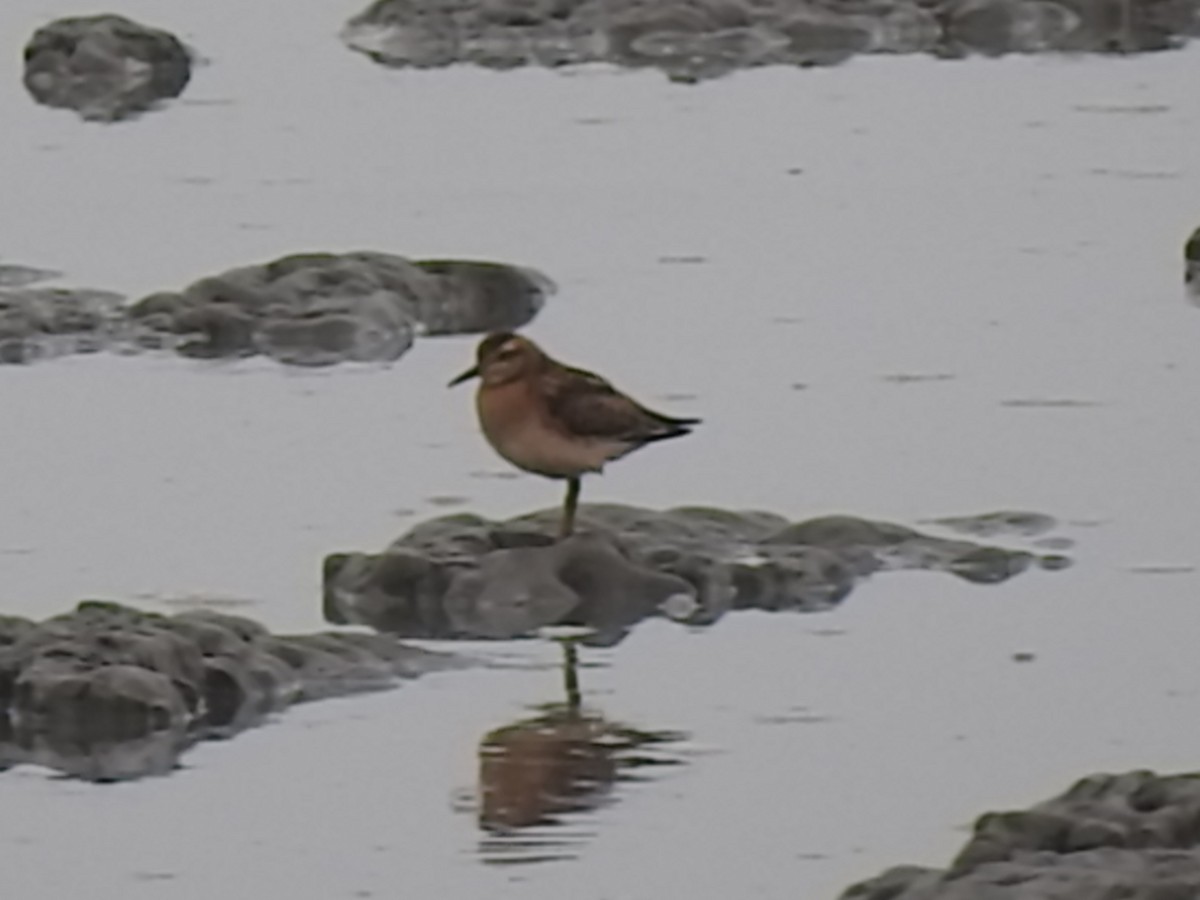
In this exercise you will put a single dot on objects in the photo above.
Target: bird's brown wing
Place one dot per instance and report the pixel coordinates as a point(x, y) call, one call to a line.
point(587, 405)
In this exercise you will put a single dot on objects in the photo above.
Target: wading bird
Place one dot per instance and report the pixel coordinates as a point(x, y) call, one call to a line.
point(555, 420)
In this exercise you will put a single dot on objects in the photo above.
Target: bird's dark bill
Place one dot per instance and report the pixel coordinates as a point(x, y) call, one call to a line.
point(472, 372)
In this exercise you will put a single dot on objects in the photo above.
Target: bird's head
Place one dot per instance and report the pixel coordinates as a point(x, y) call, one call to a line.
point(501, 358)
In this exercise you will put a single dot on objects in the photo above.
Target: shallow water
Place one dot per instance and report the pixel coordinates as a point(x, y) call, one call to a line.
point(900, 288)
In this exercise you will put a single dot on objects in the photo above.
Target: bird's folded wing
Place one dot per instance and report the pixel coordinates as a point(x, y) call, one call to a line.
point(587, 405)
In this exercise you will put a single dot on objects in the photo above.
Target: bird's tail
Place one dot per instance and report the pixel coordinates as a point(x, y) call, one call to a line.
point(673, 427)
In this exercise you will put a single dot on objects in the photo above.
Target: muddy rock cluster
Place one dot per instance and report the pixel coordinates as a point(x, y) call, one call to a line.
point(310, 309)
point(463, 576)
point(696, 39)
point(41, 322)
point(324, 308)
point(108, 692)
point(107, 67)
point(1135, 836)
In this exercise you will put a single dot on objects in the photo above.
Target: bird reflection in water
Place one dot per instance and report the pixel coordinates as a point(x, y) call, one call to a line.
point(537, 772)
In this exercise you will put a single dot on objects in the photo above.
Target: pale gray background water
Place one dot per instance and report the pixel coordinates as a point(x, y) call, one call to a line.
point(1015, 225)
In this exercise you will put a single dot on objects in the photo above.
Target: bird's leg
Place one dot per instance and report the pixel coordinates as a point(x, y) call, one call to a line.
point(567, 526)
point(571, 674)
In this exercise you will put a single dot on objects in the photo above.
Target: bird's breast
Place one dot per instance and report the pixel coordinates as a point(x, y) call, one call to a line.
point(519, 427)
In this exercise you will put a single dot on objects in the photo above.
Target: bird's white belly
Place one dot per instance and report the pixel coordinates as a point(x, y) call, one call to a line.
point(545, 451)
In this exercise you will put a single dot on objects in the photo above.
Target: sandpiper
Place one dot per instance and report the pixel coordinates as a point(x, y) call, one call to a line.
point(555, 420)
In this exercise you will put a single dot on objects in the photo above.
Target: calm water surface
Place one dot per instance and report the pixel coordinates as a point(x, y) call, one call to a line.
point(899, 289)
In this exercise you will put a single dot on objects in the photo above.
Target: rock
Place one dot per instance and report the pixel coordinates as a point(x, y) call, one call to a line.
point(691, 57)
point(1136, 809)
point(13, 628)
point(328, 665)
point(1025, 524)
point(319, 309)
point(996, 27)
point(369, 329)
point(156, 753)
point(407, 32)
point(465, 577)
point(37, 323)
point(584, 580)
point(79, 701)
point(1117, 26)
point(693, 40)
point(821, 38)
point(15, 276)
point(494, 33)
point(104, 67)
point(109, 692)
point(689, 41)
point(473, 297)
point(304, 309)
point(903, 28)
point(1131, 836)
